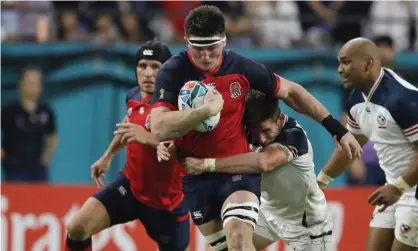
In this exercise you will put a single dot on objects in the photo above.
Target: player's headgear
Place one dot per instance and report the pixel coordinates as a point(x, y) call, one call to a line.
point(205, 26)
point(153, 50)
point(259, 107)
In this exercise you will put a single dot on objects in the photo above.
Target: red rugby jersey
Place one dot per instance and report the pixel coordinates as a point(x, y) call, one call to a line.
point(233, 78)
point(157, 184)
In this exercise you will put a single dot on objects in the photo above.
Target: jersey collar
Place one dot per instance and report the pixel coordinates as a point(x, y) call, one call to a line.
point(376, 84)
point(206, 73)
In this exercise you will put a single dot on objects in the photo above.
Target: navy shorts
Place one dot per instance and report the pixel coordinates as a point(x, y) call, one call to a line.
point(170, 229)
point(206, 193)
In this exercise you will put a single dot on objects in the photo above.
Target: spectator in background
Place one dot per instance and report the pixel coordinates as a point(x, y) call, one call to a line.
point(276, 23)
point(386, 50)
point(105, 29)
point(239, 27)
point(26, 125)
point(70, 28)
point(130, 28)
point(395, 19)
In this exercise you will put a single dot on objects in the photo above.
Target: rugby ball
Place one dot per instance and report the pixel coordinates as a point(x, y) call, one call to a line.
point(191, 96)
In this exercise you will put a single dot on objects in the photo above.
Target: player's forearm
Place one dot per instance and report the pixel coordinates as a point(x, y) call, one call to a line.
point(411, 174)
point(115, 146)
point(242, 163)
point(171, 125)
point(337, 164)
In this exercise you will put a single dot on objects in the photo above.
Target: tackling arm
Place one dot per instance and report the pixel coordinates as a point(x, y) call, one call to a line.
point(270, 158)
point(338, 162)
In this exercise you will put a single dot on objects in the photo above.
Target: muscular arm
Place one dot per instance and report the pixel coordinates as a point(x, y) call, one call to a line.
point(170, 125)
point(115, 146)
point(339, 160)
point(301, 100)
point(410, 176)
point(271, 157)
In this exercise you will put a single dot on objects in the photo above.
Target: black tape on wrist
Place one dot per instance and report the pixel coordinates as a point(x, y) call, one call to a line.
point(334, 127)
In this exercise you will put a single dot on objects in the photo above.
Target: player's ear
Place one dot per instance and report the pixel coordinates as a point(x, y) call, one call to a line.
point(369, 64)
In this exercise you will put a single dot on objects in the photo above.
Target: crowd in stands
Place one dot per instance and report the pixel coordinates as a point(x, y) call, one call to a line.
point(271, 24)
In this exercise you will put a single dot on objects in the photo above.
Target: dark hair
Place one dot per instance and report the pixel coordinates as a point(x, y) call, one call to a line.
point(259, 108)
point(383, 41)
point(205, 21)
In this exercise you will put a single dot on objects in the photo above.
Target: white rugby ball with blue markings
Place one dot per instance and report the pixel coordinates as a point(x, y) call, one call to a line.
point(191, 96)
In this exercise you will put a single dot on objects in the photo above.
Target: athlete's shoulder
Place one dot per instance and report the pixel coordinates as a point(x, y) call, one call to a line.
point(294, 137)
point(133, 94)
point(352, 98)
point(178, 60)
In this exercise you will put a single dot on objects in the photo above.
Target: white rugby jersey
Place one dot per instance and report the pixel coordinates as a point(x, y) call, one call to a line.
point(292, 191)
point(388, 116)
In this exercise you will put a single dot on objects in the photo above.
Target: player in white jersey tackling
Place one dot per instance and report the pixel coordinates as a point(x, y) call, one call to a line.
point(383, 108)
point(293, 207)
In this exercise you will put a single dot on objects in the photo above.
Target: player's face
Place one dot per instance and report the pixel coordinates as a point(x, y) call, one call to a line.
point(146, 71)
point(352, 69)
point(31, 85)
point(207, 58)
point(268, 131)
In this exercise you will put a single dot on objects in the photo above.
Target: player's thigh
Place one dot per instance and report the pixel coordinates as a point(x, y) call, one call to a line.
point(240, 196)
point(381, 230)
point(380, 239)
point(114, 204)
point(406, 230)
point(90, 219)
point(170, 229)
point(263, 235)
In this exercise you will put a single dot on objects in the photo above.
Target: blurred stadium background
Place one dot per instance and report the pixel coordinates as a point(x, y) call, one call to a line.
point(86, 51)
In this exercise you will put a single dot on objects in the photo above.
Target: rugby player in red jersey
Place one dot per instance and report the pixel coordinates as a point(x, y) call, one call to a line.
point(220, 201)
point(146, 189)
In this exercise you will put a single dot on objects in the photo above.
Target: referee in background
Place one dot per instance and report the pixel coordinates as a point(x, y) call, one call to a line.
point(28, 132)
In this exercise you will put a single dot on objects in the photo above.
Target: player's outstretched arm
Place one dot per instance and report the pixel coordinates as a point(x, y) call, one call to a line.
point(303, 102)
point(115, 145)
point(337, 163)
point(270, 158)
point(169, 125)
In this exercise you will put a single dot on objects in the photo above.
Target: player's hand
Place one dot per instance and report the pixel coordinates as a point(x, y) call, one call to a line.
point(194, 166)
point(322, 186)
point(349, 144)
point(166, 151)
point(98, 169)
point(385, 196)
point(132, 133)
point(213, 101)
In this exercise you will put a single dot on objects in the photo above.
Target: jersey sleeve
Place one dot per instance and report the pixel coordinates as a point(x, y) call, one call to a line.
point(296, 141)
point(260, 77)
point(131, 94)
point(405, 113)
point(352, 125)
point(167, 87)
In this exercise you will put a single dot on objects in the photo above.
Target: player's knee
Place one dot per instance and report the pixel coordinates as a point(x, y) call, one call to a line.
point(77, 230)
point(239, 234)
